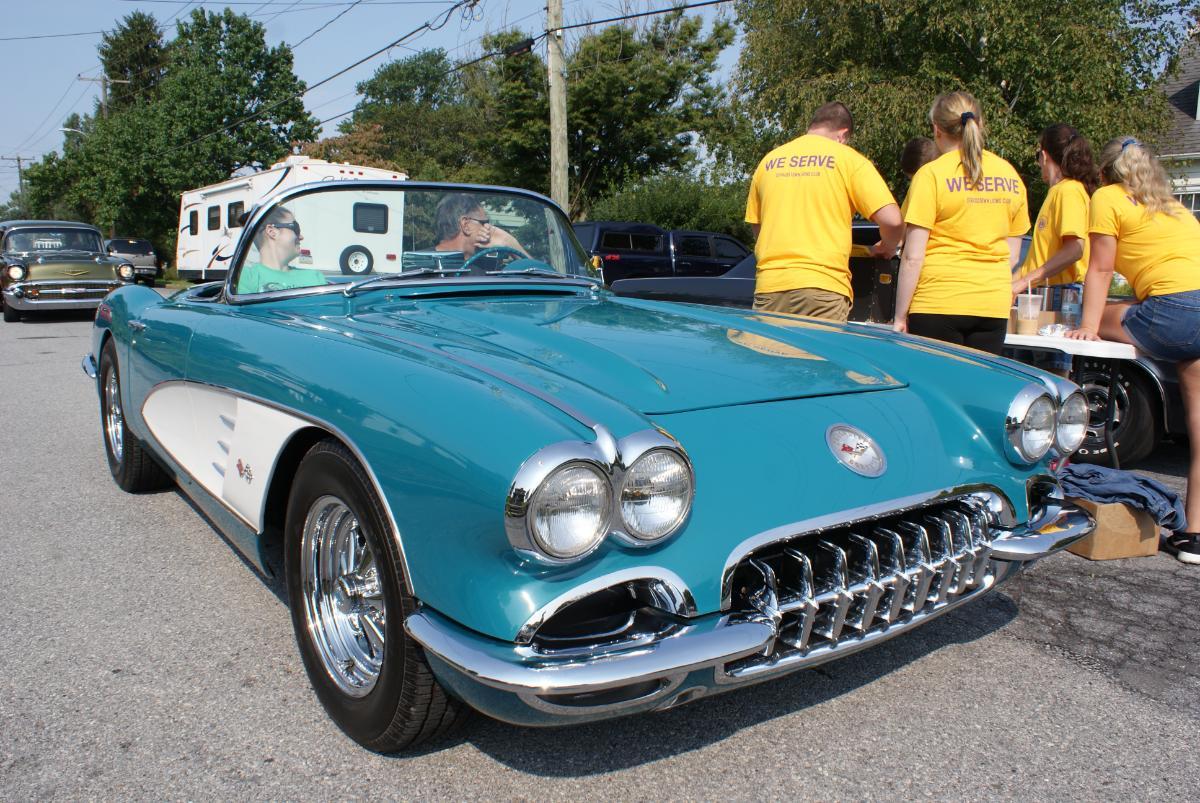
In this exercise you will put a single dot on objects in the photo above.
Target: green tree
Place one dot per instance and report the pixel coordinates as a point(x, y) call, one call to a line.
point(227, 102)
point(133, 53)
point(413, 117)
point(636, 98)
point(680, 201)
point(1095, 64)
point(224, 102)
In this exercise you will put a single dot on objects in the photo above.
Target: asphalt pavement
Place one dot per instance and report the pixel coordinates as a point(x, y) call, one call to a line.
point(140, 657)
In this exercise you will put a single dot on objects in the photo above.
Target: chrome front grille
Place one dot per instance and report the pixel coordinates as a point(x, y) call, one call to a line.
point(822, 590)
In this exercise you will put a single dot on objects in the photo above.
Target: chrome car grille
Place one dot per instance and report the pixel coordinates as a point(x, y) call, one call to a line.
point(841, 586)
point(80, 290)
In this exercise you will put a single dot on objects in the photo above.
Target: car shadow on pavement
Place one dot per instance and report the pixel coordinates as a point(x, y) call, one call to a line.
point(55, 316)
point(273, 582)
point(595, 748)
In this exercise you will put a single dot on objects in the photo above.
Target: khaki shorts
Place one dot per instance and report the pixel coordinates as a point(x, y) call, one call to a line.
point(808, 301)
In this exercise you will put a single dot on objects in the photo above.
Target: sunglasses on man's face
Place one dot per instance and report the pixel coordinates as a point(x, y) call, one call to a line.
point(482, 221)
point(294, 226)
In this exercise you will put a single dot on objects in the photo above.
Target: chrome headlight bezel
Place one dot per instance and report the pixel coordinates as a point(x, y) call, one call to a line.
point(1018, 413)
point(1060, 445)
point(611, 459)
point(125, 271)
point(16, 272)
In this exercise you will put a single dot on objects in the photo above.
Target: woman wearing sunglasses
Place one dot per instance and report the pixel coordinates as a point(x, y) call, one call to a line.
point(278, 242)
point(1137, 228)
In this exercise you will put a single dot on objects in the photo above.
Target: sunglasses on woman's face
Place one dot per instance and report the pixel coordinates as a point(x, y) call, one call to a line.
point(294, 226)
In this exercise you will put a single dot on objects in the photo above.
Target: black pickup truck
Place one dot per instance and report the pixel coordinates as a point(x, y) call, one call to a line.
point(641, 250)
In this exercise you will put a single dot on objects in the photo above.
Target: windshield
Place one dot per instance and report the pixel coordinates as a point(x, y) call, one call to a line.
point(48, 240)
point(347, 234)
point(140, 247)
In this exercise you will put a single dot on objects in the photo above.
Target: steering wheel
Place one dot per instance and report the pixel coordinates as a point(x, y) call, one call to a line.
point(496, 251)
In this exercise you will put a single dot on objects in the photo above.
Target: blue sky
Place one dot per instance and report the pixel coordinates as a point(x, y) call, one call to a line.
point(43, 90)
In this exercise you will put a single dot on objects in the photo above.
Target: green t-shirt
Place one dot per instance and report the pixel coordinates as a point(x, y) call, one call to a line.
point(258, 278)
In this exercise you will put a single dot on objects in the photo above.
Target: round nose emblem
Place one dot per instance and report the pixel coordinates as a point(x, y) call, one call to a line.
point(855, 450)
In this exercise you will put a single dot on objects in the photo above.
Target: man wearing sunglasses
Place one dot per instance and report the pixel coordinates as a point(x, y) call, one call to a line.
point(278, 241)
point(463, 225)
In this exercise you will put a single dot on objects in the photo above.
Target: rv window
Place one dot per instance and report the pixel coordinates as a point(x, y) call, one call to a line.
point(214, 218)
point(371, 218)
point(233, 214)
point(193, 223)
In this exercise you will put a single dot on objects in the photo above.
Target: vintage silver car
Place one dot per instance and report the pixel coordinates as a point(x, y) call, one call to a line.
point(55, 265)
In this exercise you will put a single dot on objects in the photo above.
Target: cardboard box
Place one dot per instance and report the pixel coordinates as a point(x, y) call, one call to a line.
point(1121, 532)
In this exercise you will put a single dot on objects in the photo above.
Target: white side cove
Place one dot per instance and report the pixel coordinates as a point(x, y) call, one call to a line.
point(227, 444)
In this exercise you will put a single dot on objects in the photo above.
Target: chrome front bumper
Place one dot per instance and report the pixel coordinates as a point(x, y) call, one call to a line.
point(522, 685)
point(57, 298)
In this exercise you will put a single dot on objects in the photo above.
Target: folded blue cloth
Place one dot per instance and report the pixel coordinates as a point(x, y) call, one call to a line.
point(1100, 484)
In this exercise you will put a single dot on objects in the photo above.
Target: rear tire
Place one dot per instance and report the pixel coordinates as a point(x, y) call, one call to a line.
point(348, 603)
point(132, 466)
point(1137, 429)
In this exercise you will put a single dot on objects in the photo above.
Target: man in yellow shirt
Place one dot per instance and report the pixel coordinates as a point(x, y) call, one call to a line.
point(802, 199)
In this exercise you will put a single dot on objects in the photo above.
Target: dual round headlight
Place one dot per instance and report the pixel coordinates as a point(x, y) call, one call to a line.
point(1036, 423)
point(581, 502)
point(16, 272)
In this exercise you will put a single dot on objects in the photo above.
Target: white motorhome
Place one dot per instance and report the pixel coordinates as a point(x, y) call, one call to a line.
point(210, 218)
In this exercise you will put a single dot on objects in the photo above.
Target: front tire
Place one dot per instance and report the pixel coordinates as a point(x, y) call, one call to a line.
point(11, 315)
point(348, 604)
point(131, 464)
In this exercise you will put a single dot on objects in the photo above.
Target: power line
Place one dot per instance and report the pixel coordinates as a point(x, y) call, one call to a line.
point(48, 36)
point(336, 17)
point(318, 3)
point(624, 17)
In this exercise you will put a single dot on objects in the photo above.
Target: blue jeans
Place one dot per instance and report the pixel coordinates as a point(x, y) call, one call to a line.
point(1166, 327)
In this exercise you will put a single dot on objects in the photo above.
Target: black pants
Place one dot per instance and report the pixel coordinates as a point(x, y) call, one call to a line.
point(985, 334)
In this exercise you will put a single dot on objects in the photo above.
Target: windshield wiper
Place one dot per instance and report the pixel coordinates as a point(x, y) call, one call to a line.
point(353, 287)
point(546, 272)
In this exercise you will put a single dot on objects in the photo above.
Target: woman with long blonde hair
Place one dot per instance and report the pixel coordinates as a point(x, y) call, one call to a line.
point(966, 212)
point(1137, 228)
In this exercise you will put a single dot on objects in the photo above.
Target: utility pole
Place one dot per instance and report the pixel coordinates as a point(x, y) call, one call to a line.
point(104, 81)
point(20, 181)
point(558, 105)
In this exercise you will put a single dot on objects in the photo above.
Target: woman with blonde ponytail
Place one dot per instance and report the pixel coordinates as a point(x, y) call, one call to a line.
point(1137, 228)
point(966, 213)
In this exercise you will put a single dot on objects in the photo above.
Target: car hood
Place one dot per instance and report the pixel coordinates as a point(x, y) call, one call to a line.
point(69, 266)
point(653, 358)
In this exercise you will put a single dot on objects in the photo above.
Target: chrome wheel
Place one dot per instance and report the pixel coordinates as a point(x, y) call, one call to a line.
point(114, 421)
point(343, 598)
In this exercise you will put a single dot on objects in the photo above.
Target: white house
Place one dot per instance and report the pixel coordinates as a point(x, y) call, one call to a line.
point(1180, 150)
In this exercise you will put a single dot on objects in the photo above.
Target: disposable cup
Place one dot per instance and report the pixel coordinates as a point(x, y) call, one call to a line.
point(1028, 307)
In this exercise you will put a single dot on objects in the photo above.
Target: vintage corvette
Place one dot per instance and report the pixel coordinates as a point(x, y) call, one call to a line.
point(491, 484)
point(55, 265)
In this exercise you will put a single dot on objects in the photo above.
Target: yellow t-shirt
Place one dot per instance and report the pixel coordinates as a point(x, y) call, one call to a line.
point(804, 195)
point(1159, 254)
point(966, 269)
point(1064, 213)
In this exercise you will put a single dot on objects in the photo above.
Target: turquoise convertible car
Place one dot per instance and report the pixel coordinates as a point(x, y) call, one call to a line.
point(491, 484)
